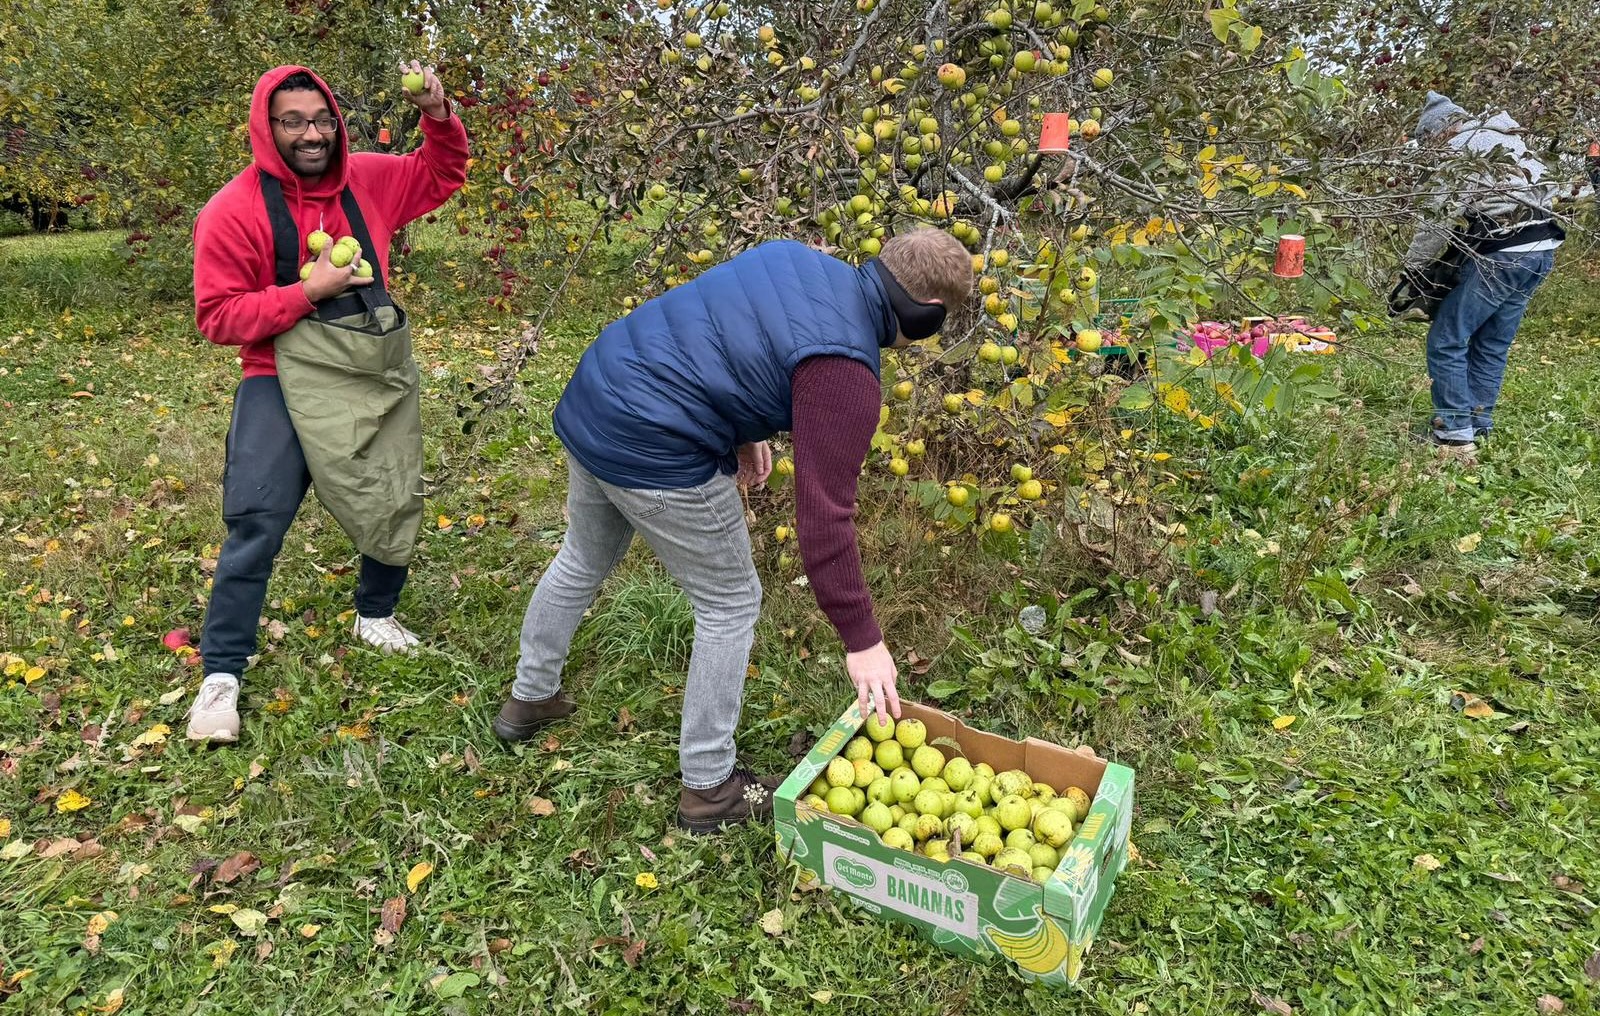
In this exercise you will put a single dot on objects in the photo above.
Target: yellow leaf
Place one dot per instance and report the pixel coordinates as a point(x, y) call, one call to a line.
point(1282, 721)
point(309, 930)
point(975, 397)
point(1469, 543)
point(1426, 862)
point(419, 871)
point(224, 908)
point(822, 997)
point(15, 665)
point(445, 522)
point(222, 952)
point(101, 921)
point(71, 801)
point(113, 1002)
point(5, 828)
point(33, 674)
point(1478, 709)
point(155, 735)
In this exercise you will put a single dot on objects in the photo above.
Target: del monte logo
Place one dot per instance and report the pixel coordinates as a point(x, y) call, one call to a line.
point(855, 873)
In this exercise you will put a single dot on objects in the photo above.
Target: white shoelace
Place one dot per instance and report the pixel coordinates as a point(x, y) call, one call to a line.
point(388, 629)
point(216, 691)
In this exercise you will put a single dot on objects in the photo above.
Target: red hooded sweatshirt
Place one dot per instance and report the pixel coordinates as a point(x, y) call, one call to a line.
point(237, 300)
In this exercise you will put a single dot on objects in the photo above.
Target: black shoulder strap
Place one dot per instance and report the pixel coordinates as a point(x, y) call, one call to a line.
point(285, 235)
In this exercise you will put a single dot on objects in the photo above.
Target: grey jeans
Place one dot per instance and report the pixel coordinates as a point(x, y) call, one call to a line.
point(699, 534)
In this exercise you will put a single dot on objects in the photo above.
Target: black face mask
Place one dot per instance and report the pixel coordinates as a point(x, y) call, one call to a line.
point(917, 320)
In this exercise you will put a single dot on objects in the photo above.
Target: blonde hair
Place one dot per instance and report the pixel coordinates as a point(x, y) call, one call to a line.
point(931, 265)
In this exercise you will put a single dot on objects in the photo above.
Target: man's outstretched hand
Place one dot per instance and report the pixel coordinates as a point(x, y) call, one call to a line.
point(873, 673)
point(431, 98)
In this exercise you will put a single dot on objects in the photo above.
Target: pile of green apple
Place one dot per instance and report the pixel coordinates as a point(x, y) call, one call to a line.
point(346, 249)
point(905, 790)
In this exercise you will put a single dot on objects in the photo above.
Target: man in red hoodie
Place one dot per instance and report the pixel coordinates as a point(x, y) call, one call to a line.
point(250, 289)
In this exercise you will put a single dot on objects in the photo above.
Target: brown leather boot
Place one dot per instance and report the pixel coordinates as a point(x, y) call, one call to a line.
point(519, 720)
point(742, 797)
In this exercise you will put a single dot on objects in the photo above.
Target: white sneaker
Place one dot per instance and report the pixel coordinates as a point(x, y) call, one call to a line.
point(386, 634)
point(214, 716)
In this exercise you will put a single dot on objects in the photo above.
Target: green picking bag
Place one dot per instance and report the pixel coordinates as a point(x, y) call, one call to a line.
point(350, 383)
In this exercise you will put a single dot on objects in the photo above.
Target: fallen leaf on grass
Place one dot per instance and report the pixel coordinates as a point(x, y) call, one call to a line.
point(155, 735)
point(1469, 543)
point(222, 952)
point(5, 828)
point(309, 930)
point(240, 864)
point(772, 922)
point(822, 997)
point(1549, 1005)
point(1426, 862)
point(1476, 947)
point(249, 922)
point(263, 949)
point(15, 849)
point(101, 921)
point(393, 914)
point(1276, 1006)
point(55, 848)
point(419, 871)
point(72, 801)
point(1280, 722)
point(1567, 885)
point(541, 807)
point(624, 720)
point(1591, 967)
point(113, 1002)
point(1470, 704)
point(171, 696)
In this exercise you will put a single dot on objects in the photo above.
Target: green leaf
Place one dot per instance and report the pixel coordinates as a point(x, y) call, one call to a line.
point(1221, 20)
point(456, 984)
point(1249, 39)
point(249, 922)
point(943, 689)
point(1136, 398)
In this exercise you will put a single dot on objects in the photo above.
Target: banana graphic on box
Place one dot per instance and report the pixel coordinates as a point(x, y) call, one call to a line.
point(1041, 952)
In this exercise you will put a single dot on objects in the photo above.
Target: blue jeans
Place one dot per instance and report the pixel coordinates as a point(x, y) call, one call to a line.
point(1471, 338)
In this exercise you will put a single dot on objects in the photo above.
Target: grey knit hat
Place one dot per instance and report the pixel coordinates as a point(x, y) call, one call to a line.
point(1437, 112)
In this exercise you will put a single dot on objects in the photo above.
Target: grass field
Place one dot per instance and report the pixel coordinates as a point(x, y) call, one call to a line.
point(1386, 851)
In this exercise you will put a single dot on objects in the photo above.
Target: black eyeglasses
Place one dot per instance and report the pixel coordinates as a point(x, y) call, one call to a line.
point(296, 125)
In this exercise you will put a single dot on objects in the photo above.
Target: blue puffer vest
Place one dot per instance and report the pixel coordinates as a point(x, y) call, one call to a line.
point(665, 395)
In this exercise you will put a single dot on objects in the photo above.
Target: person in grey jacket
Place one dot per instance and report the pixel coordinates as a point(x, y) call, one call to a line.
point(1510, 235)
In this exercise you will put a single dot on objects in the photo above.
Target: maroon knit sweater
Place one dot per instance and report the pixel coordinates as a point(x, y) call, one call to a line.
point(836, 406)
